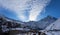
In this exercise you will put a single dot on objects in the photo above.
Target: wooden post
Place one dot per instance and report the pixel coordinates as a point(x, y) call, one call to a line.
point(30, 33)
point(34, 34)
point(39, 33)
point(27, 33)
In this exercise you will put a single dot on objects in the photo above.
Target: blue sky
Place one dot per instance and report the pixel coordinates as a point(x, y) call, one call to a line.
point(31, 11)
point(52, 9)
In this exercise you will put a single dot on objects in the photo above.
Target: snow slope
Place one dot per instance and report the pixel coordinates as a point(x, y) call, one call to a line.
point(54, 28)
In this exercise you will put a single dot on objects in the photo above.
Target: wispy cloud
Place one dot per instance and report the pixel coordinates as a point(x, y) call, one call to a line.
point(37, 7)
point(20, 6)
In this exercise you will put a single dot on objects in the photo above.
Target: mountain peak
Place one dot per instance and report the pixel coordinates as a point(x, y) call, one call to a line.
point(43, 22)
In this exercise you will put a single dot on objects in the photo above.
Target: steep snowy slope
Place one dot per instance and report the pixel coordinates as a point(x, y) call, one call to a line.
point(54, 28)
point(54, 25)
point(46, 21)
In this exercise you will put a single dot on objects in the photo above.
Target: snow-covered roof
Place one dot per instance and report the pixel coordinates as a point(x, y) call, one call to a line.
point(22, 29)
point(19, 29)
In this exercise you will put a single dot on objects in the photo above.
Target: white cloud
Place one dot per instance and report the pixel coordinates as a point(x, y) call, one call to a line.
point(38, 6)
point(19, 7)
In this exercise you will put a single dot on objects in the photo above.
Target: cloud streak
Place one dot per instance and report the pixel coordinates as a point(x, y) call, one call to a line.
point(19, 7)
point(37, 7)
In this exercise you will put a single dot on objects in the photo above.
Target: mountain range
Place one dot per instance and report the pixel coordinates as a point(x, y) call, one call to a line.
point(41, 24)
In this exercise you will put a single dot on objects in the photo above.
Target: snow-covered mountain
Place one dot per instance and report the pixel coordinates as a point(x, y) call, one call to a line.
point(53, 28)
point(6, 23)
point(41, 24)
